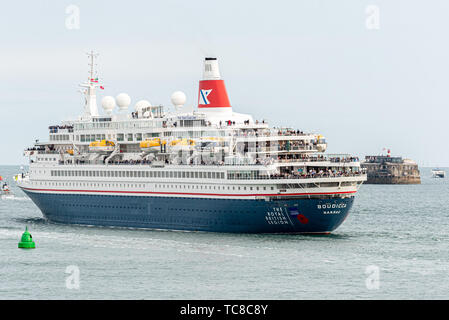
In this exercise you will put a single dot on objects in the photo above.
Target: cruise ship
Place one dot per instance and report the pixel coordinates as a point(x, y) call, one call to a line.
point(206, 168)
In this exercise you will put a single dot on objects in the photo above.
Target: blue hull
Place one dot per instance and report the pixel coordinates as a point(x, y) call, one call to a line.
point(194, 214)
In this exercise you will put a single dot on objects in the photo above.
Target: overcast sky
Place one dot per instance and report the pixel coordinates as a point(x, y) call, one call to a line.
point(325, 66)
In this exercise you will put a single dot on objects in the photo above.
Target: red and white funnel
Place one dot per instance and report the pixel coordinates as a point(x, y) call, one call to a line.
point(212, 95)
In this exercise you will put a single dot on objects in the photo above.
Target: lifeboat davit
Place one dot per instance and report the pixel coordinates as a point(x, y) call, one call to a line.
point(152, 145)
point(102, 146)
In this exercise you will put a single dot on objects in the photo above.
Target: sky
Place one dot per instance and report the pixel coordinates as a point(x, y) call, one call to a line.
point(368, 75)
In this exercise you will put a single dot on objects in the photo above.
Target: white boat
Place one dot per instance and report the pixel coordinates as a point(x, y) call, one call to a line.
point(438, 173)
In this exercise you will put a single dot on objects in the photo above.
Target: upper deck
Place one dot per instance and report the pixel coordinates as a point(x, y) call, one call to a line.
point(210, 137)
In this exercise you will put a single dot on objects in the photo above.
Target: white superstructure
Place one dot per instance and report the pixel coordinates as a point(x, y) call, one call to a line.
point(207, 149)
point(212, 152)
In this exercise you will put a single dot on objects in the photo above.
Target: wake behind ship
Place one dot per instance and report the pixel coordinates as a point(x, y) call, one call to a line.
point(210, 169)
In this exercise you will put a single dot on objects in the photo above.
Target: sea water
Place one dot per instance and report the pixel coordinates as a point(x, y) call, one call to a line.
point(393, 245)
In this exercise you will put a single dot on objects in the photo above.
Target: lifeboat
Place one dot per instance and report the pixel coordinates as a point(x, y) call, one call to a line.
point(70, 151)
point(182, 145)
point(102, 146)
point(152, 145)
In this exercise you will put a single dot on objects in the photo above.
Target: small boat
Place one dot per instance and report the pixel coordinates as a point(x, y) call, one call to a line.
point(5, 189)
point(102, 146)
point(152, 145)
point(438, 173)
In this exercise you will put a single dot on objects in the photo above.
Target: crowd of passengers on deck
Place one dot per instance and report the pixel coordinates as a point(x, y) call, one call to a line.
point(212, 161)
point(316, 174)
point(314, 158)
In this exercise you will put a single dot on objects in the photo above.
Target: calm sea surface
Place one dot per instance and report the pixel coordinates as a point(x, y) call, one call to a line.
point(398, 235)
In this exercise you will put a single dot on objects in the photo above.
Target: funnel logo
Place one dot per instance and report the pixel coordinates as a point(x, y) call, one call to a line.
point(203, 96)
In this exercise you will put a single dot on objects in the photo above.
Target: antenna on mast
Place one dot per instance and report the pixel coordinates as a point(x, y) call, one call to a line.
point(91, 109)
point(91, 55)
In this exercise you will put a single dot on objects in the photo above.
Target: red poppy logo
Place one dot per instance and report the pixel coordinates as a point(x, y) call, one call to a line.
point(302, 218)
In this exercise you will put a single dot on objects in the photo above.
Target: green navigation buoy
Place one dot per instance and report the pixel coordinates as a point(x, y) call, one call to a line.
point(27, 240)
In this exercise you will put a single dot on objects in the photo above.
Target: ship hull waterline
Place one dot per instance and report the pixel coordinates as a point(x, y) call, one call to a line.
point(298, 216)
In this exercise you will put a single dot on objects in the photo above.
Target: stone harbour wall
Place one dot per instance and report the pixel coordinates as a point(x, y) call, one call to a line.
point(392, 173)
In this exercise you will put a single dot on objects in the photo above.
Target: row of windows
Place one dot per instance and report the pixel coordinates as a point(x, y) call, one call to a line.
point(203, 187)
point(91, 137)
point(120, 137)
point(119, 125)
point(197, 187)
point(59, 137)
point(88, 184)
point(138, 174)
point(45, 159)
point(141, 136)
point(157, 186)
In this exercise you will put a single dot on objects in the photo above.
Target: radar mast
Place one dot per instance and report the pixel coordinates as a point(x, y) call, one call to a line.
point(90, 107)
